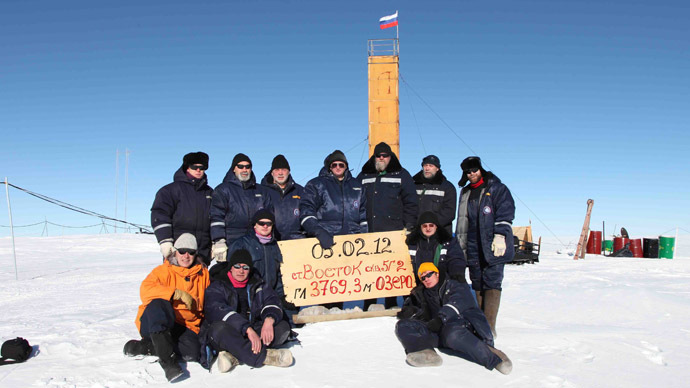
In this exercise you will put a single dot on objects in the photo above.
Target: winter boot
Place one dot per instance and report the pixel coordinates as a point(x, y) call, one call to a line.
point(426, 357)
point(506, 366)
point(492, 299)
point(138, 348)
point(163, 346)
point(278, 357)
point(226, 362)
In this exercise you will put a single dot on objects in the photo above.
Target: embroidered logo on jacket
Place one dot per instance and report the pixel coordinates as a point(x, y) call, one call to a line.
point(487, 210)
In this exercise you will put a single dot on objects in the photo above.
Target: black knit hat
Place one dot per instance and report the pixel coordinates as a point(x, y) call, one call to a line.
point(431, 159)
point(261, 214)
point(193, 158)
point(383, 147)
point(241, 256)
point(240, 158)
point(280, 162)
point(427, 218)
point(335, 156)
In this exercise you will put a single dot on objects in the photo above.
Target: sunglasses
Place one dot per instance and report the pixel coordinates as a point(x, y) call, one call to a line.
point(383, 155)
point(241, 266)
point(244, 166)
point(186, 251)
point(471, 170)
point(264, 223)
point(198, 167)
point(337, 165)
point(427, 276)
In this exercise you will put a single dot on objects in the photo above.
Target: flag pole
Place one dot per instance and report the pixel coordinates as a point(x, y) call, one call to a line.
point(397, 35)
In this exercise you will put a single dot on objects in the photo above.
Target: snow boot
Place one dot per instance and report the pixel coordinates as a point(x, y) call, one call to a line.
point(492, 299)
point(426, 357)
point(278, 357)
point(138, 348)
point(163, 346)
point(506, 366)
point(226, 362)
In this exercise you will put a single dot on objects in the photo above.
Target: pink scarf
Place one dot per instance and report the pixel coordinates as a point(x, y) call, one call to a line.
point(263, 239)
point(237, 283)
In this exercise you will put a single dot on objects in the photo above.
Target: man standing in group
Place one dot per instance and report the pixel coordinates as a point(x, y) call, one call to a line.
point(285, 196)
point(436, 194)
point(333, 203)
point(391, 197)
point(484, 230)
point(234, 203)
point(183, 207)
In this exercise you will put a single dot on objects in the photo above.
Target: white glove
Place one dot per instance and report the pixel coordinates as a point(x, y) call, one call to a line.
point(219, 251)
point(166, 249)
point(499, 245)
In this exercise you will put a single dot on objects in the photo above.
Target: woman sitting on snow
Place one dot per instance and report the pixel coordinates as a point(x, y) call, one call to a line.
point(170, 316)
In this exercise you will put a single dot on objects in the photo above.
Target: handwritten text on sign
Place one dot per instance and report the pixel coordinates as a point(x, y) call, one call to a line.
point(358, 266)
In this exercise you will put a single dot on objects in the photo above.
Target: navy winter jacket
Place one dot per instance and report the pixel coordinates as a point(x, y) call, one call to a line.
point(391, 197)
point(183, 207)
point(286, 206)
point(449, 300)
point(336, 206)
point(495, 215)
point(266, 259)
point(233, 206)
point(438, 196)
point(451, 259)
point(222, 301)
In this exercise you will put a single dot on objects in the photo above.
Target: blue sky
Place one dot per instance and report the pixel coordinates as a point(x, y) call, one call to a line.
point(563, 100)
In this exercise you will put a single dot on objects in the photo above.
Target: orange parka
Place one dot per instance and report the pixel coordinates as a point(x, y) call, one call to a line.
point(161, 284)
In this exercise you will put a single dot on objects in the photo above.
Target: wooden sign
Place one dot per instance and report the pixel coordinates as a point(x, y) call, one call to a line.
point(358, 266)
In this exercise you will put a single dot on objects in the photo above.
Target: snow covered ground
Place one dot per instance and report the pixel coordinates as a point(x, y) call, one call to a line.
point(598, 322)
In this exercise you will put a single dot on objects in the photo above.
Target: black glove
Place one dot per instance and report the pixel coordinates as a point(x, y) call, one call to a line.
point(325, 238)
point(289, 306)
point(406, 312)
point(435, 324)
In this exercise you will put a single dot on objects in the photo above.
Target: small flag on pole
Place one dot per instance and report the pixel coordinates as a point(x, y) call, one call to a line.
point(389, 21)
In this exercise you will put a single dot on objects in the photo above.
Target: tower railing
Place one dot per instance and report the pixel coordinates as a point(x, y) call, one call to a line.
point(383, 47)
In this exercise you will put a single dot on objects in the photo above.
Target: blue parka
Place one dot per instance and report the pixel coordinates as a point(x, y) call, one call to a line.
point(222, 300)
point(391, 197)
point(266, 259)
point(286, 206)
point(449, 300)
point(495, 215)
point(336, 206)
point(234, 204)
point(183, 207)
point(438, 196)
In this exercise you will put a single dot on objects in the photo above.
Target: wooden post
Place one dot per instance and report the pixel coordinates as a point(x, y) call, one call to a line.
point(582, 243)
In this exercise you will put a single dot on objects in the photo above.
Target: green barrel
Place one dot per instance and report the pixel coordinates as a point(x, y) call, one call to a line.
point(666, 247)
point(608, 246)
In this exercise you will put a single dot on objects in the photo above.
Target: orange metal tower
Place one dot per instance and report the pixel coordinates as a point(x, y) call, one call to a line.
point(384, 103)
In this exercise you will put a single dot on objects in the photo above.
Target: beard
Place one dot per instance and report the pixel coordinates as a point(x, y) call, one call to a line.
point(429, 175)
point(243, 178)
point(381, 165)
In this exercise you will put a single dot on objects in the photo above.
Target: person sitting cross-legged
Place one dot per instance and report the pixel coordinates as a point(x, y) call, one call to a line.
point(245, 316)
point(441, 313)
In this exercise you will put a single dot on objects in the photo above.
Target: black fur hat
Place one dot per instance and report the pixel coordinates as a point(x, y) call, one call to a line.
point(470, 162)
point(193, 158)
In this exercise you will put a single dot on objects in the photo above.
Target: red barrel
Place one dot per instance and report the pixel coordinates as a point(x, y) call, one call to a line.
point(619, 243)
point(636, 247)
point(594, 243)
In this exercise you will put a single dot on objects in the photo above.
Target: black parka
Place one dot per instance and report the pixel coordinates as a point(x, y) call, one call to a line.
point(438, 196)
point(286, 206)
point(183, 207)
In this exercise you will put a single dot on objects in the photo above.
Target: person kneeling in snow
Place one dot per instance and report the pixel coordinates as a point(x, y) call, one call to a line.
point(170, 316)
point(441, 313)
point(245, 316)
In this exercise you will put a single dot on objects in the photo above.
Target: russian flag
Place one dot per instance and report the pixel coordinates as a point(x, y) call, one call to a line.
point(389, 21)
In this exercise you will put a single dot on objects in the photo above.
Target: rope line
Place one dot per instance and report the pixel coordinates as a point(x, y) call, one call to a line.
point(142, 228)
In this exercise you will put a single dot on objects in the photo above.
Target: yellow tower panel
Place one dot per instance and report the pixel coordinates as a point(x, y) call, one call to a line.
point(384, 103)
